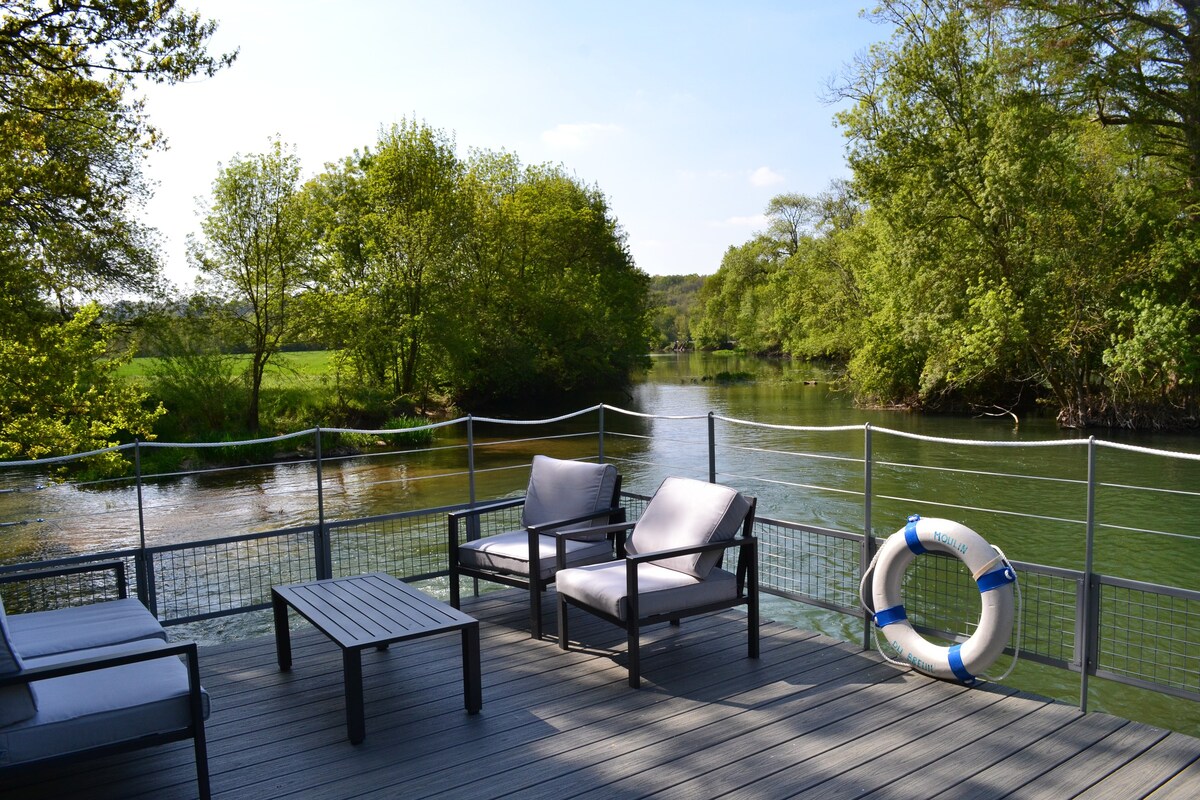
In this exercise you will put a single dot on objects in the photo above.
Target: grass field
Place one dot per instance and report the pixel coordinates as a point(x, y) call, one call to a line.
point(294, 370)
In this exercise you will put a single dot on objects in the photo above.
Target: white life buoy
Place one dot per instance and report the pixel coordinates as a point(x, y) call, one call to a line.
point(992, 573)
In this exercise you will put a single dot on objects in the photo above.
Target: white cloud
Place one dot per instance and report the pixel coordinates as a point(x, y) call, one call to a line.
point(765, 176)
point(579, 135)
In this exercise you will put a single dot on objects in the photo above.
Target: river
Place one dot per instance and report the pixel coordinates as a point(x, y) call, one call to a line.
point(1141, 535)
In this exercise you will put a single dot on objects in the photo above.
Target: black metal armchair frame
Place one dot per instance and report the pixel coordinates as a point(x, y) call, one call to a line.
point(533, 582)
point(747, 589)
point(188, 650)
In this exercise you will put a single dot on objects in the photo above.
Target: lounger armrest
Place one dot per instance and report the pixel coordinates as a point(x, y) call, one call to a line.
point(455, 517)
point(548, 528)
point(116, 567)
point(475, 511)
point(561, 538)
point(30, 674)
point(659, 555)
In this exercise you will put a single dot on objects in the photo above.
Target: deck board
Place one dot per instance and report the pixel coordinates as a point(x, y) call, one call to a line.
point(811, 718)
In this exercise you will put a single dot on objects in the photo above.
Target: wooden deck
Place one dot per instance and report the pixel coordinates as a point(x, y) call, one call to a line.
point(811, 718)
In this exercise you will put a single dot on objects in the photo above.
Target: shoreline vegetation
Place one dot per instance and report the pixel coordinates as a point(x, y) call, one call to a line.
point(1020, 231)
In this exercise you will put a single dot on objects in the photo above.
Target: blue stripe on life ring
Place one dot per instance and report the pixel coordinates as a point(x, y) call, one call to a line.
point(910, 535)
point(890, 615)
point(996, 578)
point(957, 667)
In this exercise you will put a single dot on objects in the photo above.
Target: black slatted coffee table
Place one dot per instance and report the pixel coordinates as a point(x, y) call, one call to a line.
point(373, 610)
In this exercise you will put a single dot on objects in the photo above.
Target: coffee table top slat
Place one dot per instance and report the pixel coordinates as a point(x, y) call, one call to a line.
point(369, 610)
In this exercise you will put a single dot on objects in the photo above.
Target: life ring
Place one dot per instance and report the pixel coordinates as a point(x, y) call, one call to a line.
point(992, 573)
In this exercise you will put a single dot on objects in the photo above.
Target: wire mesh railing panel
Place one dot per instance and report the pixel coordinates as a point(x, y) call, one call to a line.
point(500, 521)
point(42, 593)
point(942, 599)
point(407, 546)
point(224, 577)
point(1151, 637)
point(940, 595)
point(808, 565)
point(1048, 604)
point(634, 505)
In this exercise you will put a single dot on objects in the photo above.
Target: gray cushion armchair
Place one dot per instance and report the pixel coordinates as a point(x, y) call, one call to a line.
point(671, 565)
point(562, 495)
point(89, 680)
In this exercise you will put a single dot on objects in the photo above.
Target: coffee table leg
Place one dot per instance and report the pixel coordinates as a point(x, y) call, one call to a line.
point(472, 678)
point(356, 725)
point(283, 634)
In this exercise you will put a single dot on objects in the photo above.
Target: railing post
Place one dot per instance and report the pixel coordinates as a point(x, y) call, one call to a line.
point(142, 568)
point(324, 547)
point(601, 427)
point(471, 458)
point(1090, 608)
point(868, 545)
point(712, 448)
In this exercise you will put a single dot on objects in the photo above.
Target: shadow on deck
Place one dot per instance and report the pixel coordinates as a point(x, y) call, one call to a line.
point(813, 717)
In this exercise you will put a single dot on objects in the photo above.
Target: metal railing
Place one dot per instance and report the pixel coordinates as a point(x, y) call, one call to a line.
point(818, 526)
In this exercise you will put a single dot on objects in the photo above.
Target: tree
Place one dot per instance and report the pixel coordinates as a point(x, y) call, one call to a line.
point(71, 141)
point(72, 137)
point(414, 225)
point(818, 292)
point(553, 300)
point(1133, 63)
point(62, 395)
point(1010, 226)
point(256, 249)
point(790, 217)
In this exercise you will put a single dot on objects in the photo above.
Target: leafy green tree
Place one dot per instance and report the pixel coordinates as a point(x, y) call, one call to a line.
point(255, 250)
point(413, 229)
point(391, 222)
point(72, 136)
point(819, 299)
point(1010, 226)
point(739, 302)
point(61, 394)
point(674, 301)
point(483, 282)
point(555, 301)
point(1131, 63)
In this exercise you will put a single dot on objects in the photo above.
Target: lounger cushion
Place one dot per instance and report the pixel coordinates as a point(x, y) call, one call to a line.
point(560, 489)
point(660, 590)
point(42, 633)
point(16, 702)
point(509, 552)
point(684, 513)
point(92, 709)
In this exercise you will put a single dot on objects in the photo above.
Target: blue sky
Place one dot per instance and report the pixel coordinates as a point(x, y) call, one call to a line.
point(689, 116)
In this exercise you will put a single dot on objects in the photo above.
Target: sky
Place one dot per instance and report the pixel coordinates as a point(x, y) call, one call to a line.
point(688, 116)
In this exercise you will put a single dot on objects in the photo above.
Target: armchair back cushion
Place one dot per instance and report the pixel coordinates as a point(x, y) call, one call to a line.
point(16, 702)
point(685, 512)
point(560, 489)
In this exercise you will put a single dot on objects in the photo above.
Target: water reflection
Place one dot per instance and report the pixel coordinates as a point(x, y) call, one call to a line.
point(1030, 500)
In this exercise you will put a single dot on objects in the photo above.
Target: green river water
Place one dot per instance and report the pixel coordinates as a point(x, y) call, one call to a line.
point(1147, 507)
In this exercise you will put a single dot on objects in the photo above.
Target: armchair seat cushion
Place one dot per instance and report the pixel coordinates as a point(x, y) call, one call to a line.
point(42, 633)
point(106, 706)
point(660, 590)
point(16, 702)
point(509, 552)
